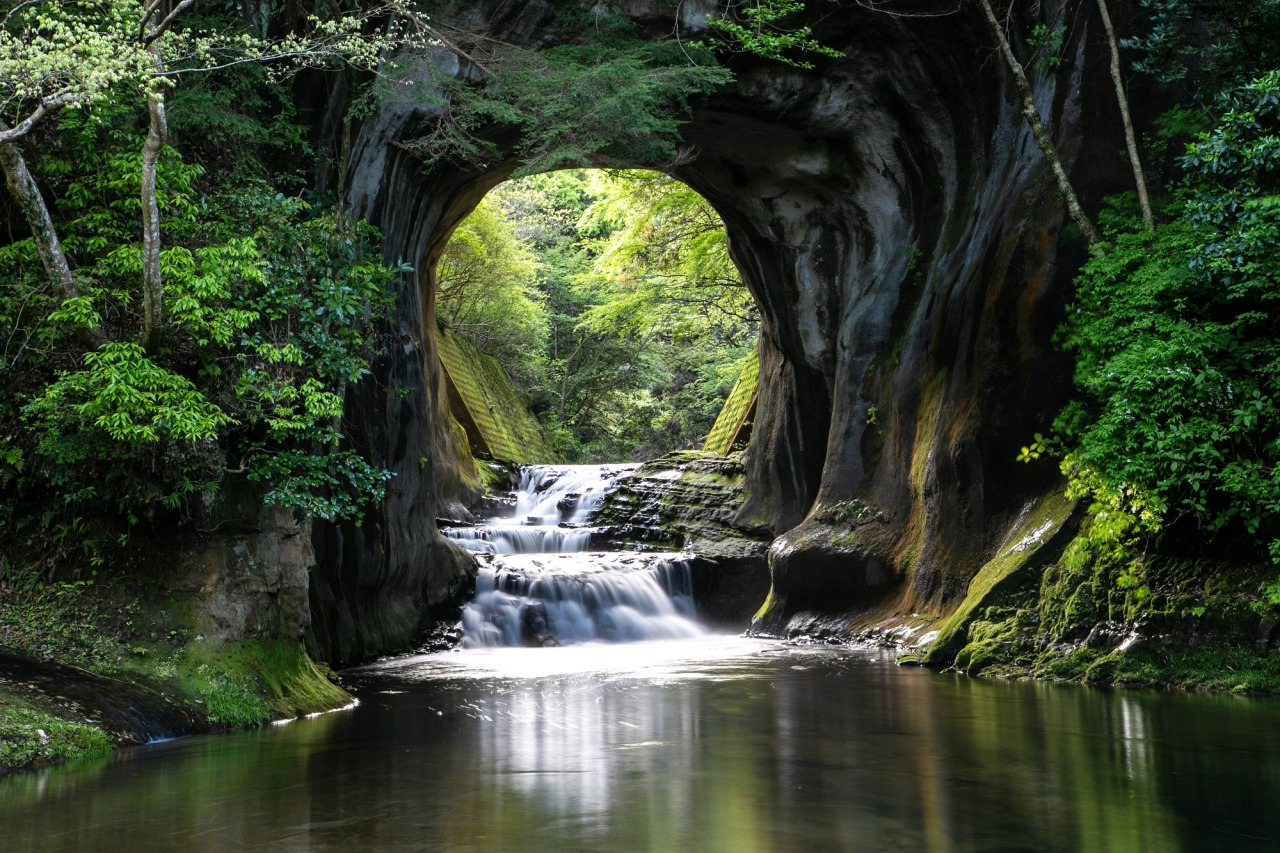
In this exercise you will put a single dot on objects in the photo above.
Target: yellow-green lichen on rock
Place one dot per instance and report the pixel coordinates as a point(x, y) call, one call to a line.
point(1039, 528)
point(485, 402)
point(733, 422)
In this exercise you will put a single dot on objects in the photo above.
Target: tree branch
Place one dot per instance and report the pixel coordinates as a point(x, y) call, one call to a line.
point(22, 186)
point(46, 106)
point(152, 284)
point(163, 27)
point(1040, 133)
point(16, 9)
point(1135, 160)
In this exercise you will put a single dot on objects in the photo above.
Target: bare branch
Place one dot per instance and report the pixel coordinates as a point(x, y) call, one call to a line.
point(1135, 160)
point(16, 9)
point(1039, 132)
point(46, 106)
point(147, 14)
point(163, 27)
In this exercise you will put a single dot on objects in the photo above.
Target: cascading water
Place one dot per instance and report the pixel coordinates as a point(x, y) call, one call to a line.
point(552, 508)
point(538, 584)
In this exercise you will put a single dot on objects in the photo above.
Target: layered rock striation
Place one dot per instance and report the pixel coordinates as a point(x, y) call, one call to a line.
point(688, 501)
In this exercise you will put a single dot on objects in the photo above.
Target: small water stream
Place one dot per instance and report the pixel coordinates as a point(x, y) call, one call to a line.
point(539, 585)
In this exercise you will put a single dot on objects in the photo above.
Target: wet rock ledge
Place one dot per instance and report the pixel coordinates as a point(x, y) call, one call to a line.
point(686, 501)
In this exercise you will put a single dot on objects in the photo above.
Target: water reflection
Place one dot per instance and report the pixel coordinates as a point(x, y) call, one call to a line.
point(725, 745)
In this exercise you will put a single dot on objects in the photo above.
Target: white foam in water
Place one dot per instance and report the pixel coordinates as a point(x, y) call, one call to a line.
point(579, 598)
point(541, 539)
point(544, 487)
point(541, 587)
point(549, 495)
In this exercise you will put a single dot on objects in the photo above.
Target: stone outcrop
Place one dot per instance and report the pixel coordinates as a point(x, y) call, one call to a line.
point(243, 574)
point(252, 584)
point(905, 243)
point(687, 501)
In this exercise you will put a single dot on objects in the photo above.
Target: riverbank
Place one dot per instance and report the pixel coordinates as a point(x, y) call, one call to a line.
point(87, 668)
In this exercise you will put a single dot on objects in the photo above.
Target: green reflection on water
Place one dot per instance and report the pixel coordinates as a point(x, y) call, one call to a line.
point(794, 753)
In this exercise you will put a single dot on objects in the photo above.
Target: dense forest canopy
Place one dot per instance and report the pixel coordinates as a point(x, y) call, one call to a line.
point(611, 300)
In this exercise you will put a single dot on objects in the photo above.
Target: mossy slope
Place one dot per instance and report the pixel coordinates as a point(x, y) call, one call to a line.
point(1030, 545)
point(1105, 616)
point(737, 408)
point(487, 405)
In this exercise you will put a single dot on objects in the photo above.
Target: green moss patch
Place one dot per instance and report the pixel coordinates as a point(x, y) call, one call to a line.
point(249, 683)
point(1216, 667)
point(1001, 637)
point(733, 421)
point(1029, 545)
point(34, 732)
point(770, 611)
point(493, 414)
point(1102, 616)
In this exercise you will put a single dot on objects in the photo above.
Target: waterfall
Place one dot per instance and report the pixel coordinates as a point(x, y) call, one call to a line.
point(540, 586)
point(553, 507)
point(565, 493)
point(520, 540)
point(576, 599)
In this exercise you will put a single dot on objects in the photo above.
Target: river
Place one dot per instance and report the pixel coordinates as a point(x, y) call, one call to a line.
point(539, 735)
point(705, 744)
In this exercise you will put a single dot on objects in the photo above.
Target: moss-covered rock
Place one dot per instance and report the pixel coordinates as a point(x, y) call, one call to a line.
point(52, 711)
point(1033, 542)
point(1101, 615)
point(1002, 637)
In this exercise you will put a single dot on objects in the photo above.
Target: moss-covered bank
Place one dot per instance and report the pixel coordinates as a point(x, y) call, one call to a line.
point(1081, 611)
point(35, 731)
point(87, 666)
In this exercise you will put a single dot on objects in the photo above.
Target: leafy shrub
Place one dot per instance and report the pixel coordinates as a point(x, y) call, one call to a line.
point(272, 303)
point(1177, 337)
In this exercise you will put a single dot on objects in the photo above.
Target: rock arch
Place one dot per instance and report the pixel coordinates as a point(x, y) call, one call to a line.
point(905, 243)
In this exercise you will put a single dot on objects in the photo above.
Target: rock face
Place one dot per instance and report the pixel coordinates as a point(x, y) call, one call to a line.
point(903, 238)
point(688, 501)
point(255, 585)
point(247, 579)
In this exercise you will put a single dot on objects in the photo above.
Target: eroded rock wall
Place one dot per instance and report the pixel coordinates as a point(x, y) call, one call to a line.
point(905, 243)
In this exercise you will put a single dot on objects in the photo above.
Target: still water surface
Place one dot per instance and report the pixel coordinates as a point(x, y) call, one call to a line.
point(714, 744)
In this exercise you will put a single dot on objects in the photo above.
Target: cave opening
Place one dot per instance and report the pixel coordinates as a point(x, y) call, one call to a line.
point(592, 315)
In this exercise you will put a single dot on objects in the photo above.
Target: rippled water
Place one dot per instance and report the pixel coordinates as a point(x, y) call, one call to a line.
point(715, 744)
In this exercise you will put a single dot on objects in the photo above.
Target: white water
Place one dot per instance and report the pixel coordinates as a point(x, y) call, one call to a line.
point(543, 488)
point(553, 507)
point(538, 585)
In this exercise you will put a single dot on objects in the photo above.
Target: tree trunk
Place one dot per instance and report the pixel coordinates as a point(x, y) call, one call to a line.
point(22, 186)
point(1139, 178)
point(1040, 132)
point(152, 285)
